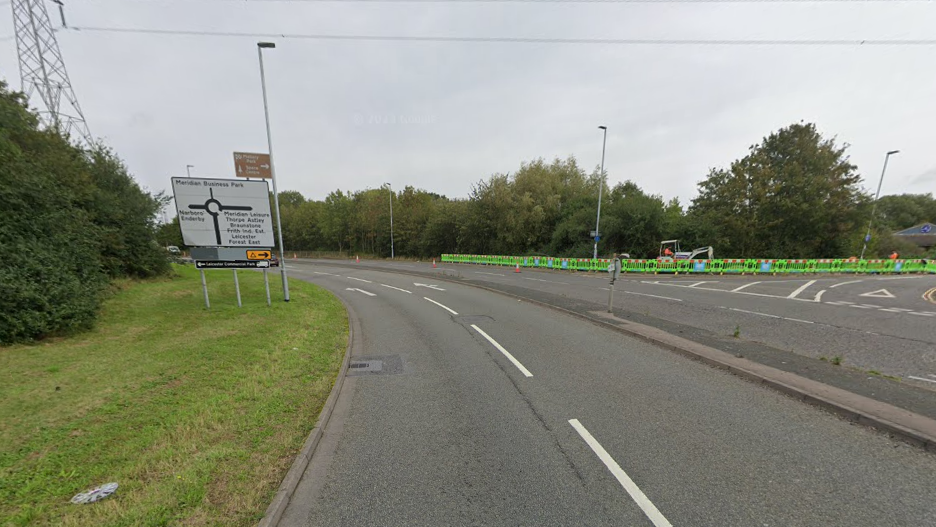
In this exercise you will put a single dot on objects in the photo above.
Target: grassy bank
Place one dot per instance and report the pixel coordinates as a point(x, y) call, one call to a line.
point(196, 414)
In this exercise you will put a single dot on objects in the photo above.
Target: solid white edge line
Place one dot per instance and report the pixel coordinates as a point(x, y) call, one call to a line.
point(397, 288)
point(798, 320)
point(735, 290)
point(450, 310)
point(919, 378)
point(654, 296)
point(801, 289)
point(501, 349)
point(359, 279)
point(649, 509)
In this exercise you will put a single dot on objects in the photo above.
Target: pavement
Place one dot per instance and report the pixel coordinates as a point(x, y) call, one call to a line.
point(466, 407)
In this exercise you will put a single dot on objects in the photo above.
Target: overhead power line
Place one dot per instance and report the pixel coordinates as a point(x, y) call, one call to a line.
point(593, 1)
point(523, 40)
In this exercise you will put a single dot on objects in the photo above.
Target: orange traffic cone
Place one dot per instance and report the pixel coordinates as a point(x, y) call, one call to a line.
point(357, 259)
point(433, 263)
point(517, 270)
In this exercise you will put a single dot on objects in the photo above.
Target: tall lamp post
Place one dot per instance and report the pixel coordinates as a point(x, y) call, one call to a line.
point(874, 206)
point(266, 114)
point(188, 169)
point(391, 219)
point(604, 141)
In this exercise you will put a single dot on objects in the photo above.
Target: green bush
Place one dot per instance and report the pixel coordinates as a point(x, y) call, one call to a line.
point(71, 220)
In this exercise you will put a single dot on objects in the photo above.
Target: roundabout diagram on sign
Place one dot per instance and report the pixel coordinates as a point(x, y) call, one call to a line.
point(215, 208)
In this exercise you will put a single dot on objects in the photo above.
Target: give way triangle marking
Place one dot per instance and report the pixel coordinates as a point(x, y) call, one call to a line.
point(880, 293)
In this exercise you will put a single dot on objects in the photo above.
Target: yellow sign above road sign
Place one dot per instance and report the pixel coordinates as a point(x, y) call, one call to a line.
point(259, 255)
point(252, 165)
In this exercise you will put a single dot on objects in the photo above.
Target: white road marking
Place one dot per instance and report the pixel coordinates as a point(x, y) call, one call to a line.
point(492, 274)
point(931, 375)
point(547, 281)
point(919, 378)
point(859, 307)
point(897, 310)
point(880, 293)
point(501, 349)
point(430, 286)
point(654, 296)
point(604, 288)
point(653, 514)
point(845, 283)
point(450, 310)
point(329, 274)
point(818, 297)
point(871, 306)
point(735, 290)
point(397, 288)
point(360, 291)
point(359, 279)
point(801, 288)
point(922, 313)
point(798, 320)
point(699, 283)
point(754, 312)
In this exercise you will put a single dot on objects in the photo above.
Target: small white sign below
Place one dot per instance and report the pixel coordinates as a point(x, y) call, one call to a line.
point(224, 212)
point(880, 293)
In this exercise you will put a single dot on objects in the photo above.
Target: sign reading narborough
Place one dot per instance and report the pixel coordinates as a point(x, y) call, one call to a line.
point(224, 212)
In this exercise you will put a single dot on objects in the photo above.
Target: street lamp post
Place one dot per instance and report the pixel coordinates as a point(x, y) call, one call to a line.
point(600, 187)
point(874, 206)
point(391, 220)
point(188, 169)
point(266, 115)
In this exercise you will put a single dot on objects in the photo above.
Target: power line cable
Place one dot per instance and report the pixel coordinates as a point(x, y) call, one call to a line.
point(590, 1)
point(520, 40)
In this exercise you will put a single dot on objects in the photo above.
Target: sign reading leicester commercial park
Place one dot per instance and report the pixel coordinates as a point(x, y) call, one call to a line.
point(223, 212)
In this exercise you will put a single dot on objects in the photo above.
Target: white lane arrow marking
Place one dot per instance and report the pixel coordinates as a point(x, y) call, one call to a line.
point(880, 293)
point(360, 291)
point(430, 286)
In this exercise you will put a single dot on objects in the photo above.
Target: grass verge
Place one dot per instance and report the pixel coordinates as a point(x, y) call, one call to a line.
point(197, 414)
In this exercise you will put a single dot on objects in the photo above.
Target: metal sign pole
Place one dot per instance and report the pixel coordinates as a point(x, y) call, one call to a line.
point(615, 270)
point(266, 282)
point(204, 286)
point(237, 288)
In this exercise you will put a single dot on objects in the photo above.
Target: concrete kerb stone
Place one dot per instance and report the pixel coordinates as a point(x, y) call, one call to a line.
point(288, 486)
point(908, 426)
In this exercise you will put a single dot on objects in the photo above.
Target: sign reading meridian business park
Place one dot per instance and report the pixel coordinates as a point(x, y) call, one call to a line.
point(223, 212)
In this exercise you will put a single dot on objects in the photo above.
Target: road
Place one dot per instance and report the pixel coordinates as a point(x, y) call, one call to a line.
point(466, 407)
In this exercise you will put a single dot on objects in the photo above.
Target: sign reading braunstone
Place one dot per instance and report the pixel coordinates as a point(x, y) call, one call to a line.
point(224, 212)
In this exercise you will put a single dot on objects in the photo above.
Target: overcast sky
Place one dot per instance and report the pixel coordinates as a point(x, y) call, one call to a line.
point(441, 116)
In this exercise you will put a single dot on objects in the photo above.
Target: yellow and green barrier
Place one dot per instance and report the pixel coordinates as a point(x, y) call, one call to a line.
point(721, 266)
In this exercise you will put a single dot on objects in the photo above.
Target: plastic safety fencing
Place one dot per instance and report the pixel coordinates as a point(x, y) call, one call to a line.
point(723, 266)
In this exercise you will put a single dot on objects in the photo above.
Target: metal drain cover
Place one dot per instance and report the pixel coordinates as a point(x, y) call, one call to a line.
point(376, 365)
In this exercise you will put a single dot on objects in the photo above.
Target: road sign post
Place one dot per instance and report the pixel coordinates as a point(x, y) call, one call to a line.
point(237, 288)
point(266, 283)
point(204, 286)
point(614, 269)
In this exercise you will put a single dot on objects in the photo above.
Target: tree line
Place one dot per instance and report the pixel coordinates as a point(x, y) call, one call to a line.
point(794, 195)
point(73, 220)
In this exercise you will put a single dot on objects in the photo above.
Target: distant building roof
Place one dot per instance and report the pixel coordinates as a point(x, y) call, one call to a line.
point(923, 235)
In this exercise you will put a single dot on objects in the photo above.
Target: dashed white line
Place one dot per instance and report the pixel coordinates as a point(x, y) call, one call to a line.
point(329, 274)
point(359, 279)
point(360, 291)
point(450, 310)
point(801, 288)
point(653, 296)
point(491, 274)
point(897, 310)
point(922, 313)
point(919, 378)
point(754, 312)
point(547, 281)
point(647, 506)
point(501, 349)
point(860, 307)
point(397, 288)
point(872, 306)
point(735, 290)
point(845, 283)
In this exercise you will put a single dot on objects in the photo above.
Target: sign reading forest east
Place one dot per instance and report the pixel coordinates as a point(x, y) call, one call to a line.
point(223, 212)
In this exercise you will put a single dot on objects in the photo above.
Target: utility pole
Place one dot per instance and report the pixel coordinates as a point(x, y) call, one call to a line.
point(42, 70)
point(874, 206)
point(391, 219)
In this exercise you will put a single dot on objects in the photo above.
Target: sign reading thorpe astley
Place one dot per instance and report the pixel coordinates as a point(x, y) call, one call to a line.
point(224, 212)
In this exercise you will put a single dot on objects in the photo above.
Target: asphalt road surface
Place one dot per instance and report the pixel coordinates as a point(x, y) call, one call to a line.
point(466, 407)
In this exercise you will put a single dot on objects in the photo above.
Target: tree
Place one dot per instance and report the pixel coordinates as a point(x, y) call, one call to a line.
point(795, 195)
